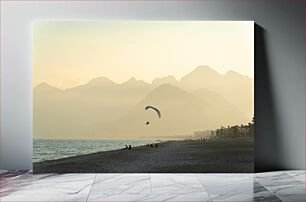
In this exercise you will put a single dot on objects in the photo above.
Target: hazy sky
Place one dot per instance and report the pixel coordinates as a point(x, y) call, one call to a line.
point(70, 53)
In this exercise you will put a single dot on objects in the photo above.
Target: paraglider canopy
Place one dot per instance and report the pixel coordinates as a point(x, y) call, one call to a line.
point(155, 109)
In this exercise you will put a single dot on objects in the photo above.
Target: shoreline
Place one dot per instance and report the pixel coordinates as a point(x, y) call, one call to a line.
point(183, 156)
point(89, 147)
point(76, 156)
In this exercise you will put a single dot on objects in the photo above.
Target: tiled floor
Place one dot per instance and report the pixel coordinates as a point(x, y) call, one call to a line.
point(272, 186)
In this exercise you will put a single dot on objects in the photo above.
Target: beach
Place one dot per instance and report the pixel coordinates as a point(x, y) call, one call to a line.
point(187, 156)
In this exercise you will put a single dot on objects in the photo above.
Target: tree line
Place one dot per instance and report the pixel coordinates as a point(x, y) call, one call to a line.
point(235, 131)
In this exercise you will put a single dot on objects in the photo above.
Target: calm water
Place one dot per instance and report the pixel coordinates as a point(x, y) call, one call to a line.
point(56, 149)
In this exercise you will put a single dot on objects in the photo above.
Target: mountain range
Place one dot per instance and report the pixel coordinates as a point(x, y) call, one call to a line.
point(103, 109)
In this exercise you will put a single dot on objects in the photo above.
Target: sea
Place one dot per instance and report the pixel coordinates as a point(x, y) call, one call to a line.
point(56, 149)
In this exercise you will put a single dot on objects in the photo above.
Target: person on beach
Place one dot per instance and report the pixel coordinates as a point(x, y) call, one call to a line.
point(130, 146)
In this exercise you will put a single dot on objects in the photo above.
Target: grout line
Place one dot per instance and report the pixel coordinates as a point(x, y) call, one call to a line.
point(209, 197)
point(150, 183)
point(91, 187)
point(269, 191)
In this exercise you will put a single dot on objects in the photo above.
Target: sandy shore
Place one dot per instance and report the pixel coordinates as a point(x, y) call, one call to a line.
point(193, 156)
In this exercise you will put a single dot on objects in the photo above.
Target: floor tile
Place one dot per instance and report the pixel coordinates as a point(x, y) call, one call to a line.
point(150, 198)
point(48, 184)
point(258, 188)
point(43, 198)
point(232, 198)
point(245, 198)
point(291, 197)
point(266, 198)
point(281, 183)
point(111, 184)
point(277, 175)
point(14, 180)
point(286, 186)
point(226, 184)
point(298, 175)
point(176, 184)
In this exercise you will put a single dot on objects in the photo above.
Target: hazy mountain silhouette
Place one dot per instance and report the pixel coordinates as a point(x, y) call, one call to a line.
point(165, 80)
point(236, 88)
point(215, 99)
point(182, 113)
point(76, 110)
point(201, 77)
point(100, 81)
point(203, 99)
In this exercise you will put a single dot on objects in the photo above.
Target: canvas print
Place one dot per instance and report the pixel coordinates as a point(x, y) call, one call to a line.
point(143, 96)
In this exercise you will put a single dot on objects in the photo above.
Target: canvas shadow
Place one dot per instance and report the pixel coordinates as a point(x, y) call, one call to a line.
point(268, 151)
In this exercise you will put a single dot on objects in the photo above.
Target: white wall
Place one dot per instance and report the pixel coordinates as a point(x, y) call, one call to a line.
point(280, 73)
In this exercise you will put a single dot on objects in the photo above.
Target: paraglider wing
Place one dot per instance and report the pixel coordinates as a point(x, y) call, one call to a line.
point(155, 109)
